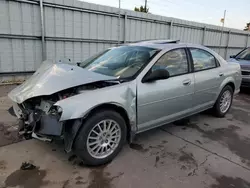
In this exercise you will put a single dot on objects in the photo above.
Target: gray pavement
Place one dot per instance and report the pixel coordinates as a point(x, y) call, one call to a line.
point(8, 123)
point(203, 152)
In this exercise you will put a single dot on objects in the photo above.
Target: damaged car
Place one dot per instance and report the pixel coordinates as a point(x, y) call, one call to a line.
point(97, 105)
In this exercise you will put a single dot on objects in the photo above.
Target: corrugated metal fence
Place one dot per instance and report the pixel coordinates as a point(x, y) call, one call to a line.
point(33, 30)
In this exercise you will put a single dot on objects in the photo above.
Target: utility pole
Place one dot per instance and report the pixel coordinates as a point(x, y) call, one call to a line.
point(223, 24)
point(145, 8)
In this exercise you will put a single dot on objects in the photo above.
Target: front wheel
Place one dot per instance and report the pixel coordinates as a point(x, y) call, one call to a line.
point(101, 137)
point(224, 102)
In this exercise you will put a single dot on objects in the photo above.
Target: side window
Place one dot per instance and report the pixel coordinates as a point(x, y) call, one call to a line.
point(202, 60)
point(174, 61)
point(245, 54)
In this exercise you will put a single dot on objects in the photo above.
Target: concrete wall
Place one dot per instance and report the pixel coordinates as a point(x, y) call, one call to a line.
point(76, 30)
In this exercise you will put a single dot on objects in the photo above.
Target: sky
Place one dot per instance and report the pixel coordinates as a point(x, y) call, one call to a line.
point(204, 11)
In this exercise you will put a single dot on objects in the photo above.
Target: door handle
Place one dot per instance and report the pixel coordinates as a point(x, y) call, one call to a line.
point(186, 82)
point(221, 74)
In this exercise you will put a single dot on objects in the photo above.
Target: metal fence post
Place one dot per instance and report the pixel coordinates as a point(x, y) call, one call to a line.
point(204, 35)
point(42, 31)
point(119, 24)
point(247, 39)
point(170, 29)
point(228, 42)
point(125, 27)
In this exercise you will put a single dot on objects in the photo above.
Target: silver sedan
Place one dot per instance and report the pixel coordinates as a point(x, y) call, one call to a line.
point(104, 101)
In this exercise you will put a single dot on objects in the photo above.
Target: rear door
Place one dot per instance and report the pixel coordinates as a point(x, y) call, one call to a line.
point(207, 77)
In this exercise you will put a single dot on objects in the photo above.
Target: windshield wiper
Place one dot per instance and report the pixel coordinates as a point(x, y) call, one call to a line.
point(120, 80)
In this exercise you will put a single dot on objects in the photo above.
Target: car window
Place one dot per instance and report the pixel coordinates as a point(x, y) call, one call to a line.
point(245, 54)
point(174, 61)
point(202, 60)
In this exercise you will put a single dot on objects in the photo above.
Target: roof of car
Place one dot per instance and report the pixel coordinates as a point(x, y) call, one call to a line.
point(171, 44)
point(161, 44)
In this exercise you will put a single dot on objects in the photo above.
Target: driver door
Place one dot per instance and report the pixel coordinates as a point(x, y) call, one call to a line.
point(163, 101)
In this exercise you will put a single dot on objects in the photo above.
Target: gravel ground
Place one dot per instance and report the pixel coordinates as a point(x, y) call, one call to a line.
point(203, 152)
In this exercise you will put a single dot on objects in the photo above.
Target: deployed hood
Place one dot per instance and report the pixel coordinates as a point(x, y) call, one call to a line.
point(53, 77)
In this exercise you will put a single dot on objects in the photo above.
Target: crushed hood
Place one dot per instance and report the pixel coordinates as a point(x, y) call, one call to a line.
point(53, 77)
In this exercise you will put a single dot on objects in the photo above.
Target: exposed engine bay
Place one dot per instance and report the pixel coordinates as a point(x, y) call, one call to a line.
point(39, 117)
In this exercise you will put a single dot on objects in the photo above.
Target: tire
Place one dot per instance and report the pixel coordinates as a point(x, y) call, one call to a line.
point(218, 112)
point(82, 142)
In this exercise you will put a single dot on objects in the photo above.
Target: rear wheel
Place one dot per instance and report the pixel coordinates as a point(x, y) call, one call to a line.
point(101, 137)
point(223, 102)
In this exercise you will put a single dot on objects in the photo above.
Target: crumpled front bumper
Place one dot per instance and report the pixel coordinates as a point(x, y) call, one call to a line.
point(37, 123)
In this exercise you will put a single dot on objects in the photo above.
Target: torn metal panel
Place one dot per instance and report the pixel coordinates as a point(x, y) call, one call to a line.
point(17, 110)
point(130, 96)
point(70, 131)
point(34, 135)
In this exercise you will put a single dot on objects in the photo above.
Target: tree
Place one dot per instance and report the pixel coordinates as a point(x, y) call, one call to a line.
point(247, 27)
point(141, 9)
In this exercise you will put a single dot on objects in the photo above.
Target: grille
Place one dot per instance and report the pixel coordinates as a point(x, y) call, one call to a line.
point(245, 73)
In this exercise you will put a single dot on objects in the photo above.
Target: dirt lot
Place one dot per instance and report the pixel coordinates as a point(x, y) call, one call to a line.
point(206, 152)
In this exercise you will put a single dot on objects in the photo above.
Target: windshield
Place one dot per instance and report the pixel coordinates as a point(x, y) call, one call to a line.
point(245, 54)
point(120, 62)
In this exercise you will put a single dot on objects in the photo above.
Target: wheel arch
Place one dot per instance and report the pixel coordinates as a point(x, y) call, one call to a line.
point(231, 84)
point(73, 126)
point(228, 81)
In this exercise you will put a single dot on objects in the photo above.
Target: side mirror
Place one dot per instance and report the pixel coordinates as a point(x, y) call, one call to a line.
point(158, 74)
point(232, 56)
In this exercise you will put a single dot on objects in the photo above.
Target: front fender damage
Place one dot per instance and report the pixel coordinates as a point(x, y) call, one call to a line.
point(57, 116)
point(76, 110)
point(130, 97)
